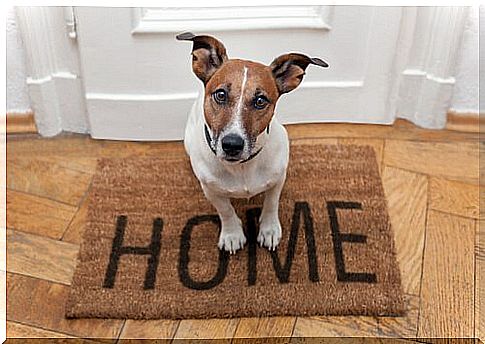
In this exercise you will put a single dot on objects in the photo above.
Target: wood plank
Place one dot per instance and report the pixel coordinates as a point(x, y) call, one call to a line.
point(338, 326)
point(17, 330)
point(480, 281)
point(221, 330)
point(343, 340)
point(451, 160)
point(464, 121)
point(377, 144)
point(75, 231)
point(77, 146)
point(37, 215)
point(482, 179)
point(63, 145)
point(400, 130)
point(150, 329)
point(20, 123)
point(46, 179)
point(85, 164)
point(41, 257)
point(40, 303)
point(480, 259)
point(401, 327)
point(272, 327)
point(447, 290)
point(406, 194)
point(22, 333)
point(453, 197)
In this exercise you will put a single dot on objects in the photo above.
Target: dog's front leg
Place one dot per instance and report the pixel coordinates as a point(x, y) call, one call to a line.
point(232, 236)
point(269, 222)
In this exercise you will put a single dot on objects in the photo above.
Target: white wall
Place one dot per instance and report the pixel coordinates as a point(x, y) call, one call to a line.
point(465, 94)
point(17, 94)
point(465, 98)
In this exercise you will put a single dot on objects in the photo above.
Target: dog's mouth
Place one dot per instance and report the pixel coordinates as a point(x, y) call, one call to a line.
point(241, 159)
point(229, 159)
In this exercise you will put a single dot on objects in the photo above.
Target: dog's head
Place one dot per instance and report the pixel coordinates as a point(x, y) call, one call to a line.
point(240, 95)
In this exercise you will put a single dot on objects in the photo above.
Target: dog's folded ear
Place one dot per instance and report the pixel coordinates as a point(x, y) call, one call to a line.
point(289, 69)
point(208, 54)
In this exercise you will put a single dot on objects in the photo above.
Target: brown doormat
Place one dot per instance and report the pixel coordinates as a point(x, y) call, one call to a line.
point(150, 246)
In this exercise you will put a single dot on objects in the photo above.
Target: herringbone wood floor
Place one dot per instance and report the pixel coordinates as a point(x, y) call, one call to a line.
point(431, 180)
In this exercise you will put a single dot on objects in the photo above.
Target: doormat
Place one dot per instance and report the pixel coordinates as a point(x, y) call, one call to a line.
point(150, 245)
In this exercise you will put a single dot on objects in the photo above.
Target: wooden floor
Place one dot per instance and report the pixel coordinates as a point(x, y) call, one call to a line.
point(431, 180)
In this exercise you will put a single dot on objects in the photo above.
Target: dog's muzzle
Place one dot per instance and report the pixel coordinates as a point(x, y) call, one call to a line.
point(232, 145)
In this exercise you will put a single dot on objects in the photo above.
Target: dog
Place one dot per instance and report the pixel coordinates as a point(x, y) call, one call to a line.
point(237, 147)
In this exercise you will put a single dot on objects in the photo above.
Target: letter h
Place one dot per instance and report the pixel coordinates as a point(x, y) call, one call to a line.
point(117, 250)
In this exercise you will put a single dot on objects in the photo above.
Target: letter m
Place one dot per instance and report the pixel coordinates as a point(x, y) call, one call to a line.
point(301, 212)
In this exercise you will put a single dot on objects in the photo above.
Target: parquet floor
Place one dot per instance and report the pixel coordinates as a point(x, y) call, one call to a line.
point(431, 180)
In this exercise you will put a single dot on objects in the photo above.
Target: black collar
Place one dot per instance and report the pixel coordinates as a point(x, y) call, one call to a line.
point(209, 143)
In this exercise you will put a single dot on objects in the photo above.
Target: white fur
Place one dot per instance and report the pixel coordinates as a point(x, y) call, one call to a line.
point(221, 181)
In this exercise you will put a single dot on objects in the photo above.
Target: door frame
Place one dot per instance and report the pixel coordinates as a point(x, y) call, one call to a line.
point(54, 78)
point(422, 75)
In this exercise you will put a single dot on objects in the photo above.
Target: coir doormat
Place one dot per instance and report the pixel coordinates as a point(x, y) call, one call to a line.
point(150, 246)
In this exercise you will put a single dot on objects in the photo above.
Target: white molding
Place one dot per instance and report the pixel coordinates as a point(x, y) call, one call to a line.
point(55, 88)
point(421, 73)
point(164, 20)
point(425, 63)
point(193, 95)
point(58, 75)
point(140, 97)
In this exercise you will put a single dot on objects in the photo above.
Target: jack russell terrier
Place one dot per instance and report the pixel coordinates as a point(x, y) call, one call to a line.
point(237, 147)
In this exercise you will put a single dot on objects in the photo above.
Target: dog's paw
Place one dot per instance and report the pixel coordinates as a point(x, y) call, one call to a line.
point(232, 240)
point(270, 234)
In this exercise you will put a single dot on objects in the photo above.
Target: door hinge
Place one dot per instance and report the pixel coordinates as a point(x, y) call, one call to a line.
point(70, 19)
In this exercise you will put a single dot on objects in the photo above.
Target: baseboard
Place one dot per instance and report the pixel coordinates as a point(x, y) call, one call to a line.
point(21, 123)
point(466, 122)
point(24, 123)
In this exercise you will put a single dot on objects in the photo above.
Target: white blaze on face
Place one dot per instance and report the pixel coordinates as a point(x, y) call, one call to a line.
point(241, 96)
point(235, 126)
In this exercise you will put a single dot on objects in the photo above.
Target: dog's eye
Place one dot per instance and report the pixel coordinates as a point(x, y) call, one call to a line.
point(220, 96)
point(260, 102)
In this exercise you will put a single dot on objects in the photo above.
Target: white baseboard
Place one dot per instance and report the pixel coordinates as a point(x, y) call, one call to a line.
point(56, 97)
point(424, 98)
point(143, 117)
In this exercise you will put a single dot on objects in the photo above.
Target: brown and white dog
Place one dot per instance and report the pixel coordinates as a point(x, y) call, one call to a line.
point(237, 147)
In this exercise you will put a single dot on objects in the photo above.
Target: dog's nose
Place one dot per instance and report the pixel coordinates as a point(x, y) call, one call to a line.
point(232, 144)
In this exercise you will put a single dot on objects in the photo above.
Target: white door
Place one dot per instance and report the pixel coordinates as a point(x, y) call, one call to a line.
point(139, 83)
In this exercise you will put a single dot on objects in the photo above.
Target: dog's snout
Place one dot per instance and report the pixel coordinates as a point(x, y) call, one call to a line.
point(232, 144)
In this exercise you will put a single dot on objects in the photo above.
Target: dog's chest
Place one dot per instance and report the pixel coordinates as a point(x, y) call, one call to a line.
point(241, 181)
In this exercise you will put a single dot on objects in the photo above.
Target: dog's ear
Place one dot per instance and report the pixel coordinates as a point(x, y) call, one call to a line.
point(289, 69)
point(208, 54)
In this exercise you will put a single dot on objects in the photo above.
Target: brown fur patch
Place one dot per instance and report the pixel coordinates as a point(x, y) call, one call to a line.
point(229, 77)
